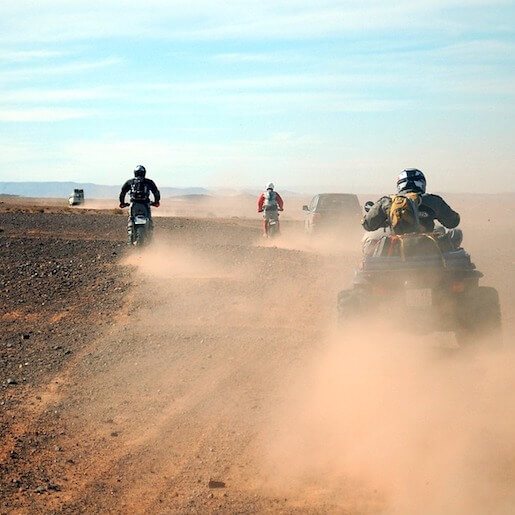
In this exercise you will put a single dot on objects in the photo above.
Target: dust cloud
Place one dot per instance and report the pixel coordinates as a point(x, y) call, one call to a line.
point(327, 243)
point(421, 428)
point(167, 260)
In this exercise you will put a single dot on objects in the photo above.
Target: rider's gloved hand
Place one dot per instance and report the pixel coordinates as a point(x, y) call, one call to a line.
point(155, 204)
point(281, 209)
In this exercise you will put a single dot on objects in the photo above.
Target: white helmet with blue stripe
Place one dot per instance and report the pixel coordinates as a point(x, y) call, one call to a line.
point(411, 179)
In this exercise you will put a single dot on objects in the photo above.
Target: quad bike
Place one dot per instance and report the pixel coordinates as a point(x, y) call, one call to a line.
point(425, 285)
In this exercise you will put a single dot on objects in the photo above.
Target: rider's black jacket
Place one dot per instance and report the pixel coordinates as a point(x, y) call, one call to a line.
point(431, 208)
point(151, 187)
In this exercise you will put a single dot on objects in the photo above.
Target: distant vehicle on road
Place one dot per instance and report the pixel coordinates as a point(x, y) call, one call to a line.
point(333, 212)
point(76, 198)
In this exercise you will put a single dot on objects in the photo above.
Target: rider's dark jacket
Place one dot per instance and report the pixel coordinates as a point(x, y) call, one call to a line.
point(432, 208)
point(150, 187)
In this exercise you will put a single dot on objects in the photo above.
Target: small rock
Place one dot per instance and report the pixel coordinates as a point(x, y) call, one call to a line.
point(11, 381)
point(215, 484)
point(114, 433)
point(55, 488)
point(40, 490)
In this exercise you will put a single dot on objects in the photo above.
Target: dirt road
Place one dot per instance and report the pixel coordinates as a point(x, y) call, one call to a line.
point(204, 375)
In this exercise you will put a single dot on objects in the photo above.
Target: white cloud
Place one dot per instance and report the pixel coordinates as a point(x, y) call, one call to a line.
point(238, 58)
point(40, 114)
point(59, 20)
point(30, 55)
point(69, 68)
point(33, 95)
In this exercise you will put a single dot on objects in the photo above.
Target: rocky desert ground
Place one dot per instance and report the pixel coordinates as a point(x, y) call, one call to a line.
point(205, 373)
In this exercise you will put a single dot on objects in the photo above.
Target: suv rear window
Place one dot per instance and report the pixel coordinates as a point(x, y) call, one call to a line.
point(338, 203)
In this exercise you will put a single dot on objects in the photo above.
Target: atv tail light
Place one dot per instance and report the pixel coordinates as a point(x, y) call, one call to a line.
point(457, 287)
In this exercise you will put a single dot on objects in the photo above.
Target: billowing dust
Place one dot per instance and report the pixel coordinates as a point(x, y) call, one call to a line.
point(164, 260)
point(329, 242)
point(410, 426)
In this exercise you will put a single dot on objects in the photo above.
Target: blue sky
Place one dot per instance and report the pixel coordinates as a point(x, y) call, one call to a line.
point(312, 95)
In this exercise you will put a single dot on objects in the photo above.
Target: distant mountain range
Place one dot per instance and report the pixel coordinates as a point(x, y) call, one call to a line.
point(63, 190)
point(100, 191)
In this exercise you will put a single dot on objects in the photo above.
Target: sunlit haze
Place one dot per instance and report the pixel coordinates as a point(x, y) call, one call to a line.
point(329, 94)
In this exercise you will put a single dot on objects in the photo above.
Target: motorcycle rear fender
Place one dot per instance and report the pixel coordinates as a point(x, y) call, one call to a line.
point(140, 220)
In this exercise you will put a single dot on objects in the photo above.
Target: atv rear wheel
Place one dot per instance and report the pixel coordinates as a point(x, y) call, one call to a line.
point(479, 318)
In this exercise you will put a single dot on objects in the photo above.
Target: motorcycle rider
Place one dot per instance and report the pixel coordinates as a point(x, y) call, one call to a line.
point(140, 188)
point(431, 208)
point(269, 203)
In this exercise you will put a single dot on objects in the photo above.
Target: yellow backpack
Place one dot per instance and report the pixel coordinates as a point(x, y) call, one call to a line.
point(403, 214)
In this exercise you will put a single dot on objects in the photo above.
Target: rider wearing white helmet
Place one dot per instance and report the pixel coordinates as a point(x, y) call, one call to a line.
point(269, 203)
point(432, 207)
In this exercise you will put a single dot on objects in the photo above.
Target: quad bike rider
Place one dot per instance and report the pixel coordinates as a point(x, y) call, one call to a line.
point(411, 184)
point(140, 224)
point(270, 203)
point(418, 271)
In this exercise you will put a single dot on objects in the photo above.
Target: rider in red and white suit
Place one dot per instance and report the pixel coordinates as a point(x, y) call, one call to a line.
point(269, 202)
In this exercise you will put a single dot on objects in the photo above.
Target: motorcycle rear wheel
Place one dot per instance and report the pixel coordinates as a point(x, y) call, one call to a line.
point(141, 236)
